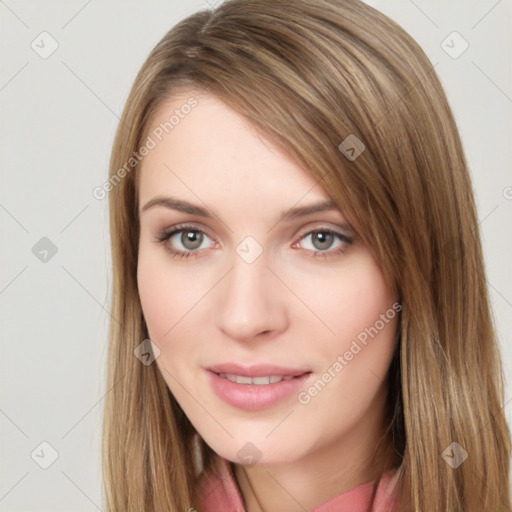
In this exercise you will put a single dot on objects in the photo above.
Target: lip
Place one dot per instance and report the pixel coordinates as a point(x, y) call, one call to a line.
point(252, 397)
point(260, 370)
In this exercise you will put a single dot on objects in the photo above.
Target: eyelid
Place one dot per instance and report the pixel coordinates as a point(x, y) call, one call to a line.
point(298, 235)
point(319, 225)
point(187, 225)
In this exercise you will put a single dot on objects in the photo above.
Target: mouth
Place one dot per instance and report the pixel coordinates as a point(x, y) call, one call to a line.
point(257, 387)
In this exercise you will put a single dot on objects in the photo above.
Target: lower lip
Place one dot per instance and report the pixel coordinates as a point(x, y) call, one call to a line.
point(252, 397)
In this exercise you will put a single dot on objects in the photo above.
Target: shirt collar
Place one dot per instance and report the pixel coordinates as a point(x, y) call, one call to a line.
point(221, 492)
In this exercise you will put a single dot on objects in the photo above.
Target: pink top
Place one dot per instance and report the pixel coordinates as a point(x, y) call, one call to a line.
point(223, 494)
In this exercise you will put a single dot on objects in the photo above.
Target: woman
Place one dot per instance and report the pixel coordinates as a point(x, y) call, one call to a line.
point(303, 321)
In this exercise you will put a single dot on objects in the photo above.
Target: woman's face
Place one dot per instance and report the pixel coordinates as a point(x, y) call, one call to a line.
point(258, 288)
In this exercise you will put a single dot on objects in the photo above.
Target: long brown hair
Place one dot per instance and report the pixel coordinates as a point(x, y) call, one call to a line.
point(309, 74)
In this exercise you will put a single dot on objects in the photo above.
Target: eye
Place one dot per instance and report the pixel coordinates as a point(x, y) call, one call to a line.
point(190, 238)
point(322, 240)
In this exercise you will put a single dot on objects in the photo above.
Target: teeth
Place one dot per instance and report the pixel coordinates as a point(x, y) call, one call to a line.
point(241, 379)
point(261, 380)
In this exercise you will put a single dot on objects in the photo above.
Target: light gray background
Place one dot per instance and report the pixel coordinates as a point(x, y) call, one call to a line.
point(58, 118)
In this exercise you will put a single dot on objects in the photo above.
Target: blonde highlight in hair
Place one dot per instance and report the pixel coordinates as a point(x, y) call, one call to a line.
point(308, 74)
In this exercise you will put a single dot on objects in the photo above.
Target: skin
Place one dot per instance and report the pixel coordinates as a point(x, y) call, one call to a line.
point(286, 307)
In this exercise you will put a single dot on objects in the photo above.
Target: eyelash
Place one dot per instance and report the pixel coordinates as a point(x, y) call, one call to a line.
point(163, 236)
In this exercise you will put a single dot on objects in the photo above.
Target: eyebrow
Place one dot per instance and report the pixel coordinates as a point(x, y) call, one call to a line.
point(192, 209)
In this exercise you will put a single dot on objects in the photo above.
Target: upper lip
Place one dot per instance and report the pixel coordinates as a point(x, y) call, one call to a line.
point(260, 370)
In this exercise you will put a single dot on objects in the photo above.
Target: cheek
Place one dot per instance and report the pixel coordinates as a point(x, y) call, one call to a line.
point(168, 287)
point(164, 293)
point(363, 313)
point(351, 300)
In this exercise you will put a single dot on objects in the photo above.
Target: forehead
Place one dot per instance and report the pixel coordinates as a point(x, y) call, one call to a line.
point(210, 152)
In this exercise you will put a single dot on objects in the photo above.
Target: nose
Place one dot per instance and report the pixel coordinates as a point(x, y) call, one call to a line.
point(251, 302)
